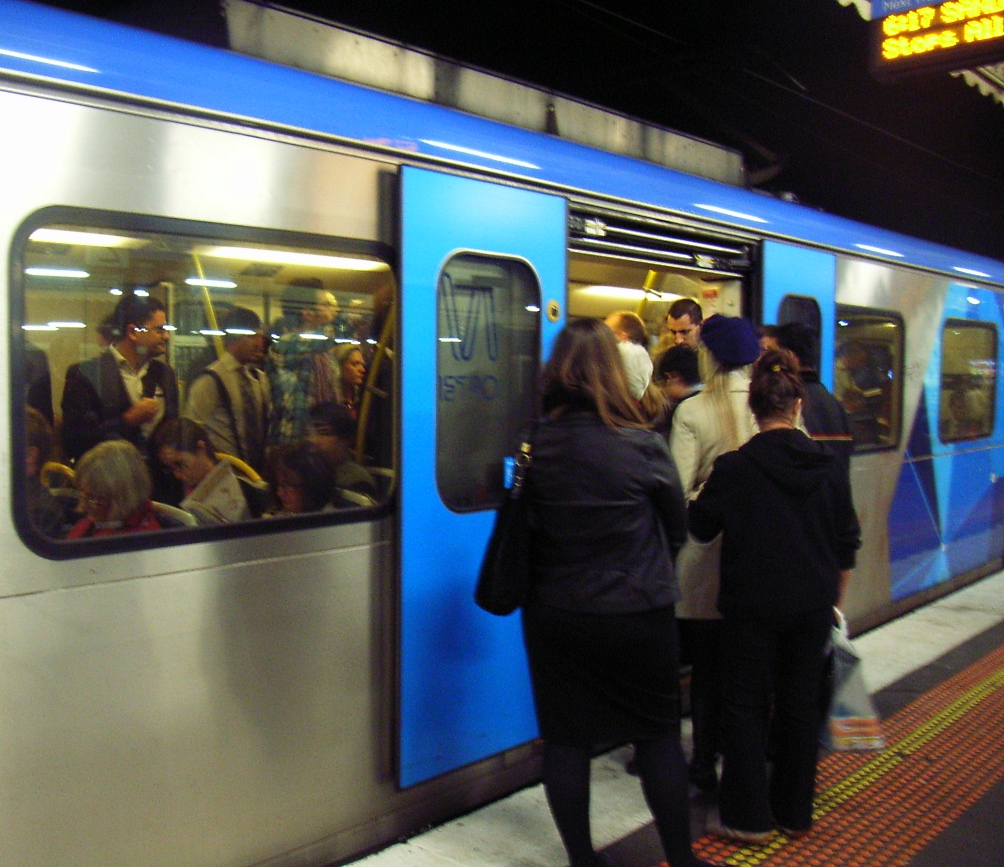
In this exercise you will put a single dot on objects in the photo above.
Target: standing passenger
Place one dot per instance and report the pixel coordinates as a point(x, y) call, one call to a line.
point(632, 344)
point(782, 505)
point(231, 399)
point(715, 421)
point(126, 391)
point(299, 364)
point(824, 416)
point(599, 626)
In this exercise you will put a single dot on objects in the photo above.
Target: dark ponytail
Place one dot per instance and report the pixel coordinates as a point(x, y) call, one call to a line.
point(776, 385)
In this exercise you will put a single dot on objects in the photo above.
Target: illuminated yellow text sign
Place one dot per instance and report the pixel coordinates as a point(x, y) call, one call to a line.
point(949, 35)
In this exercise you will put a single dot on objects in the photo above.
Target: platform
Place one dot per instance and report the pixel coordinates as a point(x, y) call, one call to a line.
point(933, 797)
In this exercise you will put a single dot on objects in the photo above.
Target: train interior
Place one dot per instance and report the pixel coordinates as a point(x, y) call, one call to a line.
point(74, 274)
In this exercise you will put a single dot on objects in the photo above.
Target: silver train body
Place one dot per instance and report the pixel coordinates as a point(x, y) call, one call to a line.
point(297, 692)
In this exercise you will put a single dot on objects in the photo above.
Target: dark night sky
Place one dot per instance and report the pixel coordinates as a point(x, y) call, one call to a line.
point(784, 81)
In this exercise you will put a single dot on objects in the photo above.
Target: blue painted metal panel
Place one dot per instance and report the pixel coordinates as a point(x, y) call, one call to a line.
point(465, 690)
point(789, 270)
point(946, 513)
point(112, 58)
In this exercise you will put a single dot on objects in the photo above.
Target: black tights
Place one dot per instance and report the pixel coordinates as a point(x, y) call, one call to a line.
point(663, 773)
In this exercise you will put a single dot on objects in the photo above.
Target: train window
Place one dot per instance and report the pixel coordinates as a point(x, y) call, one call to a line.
point(968, 380)
point(247, 377)
point(868, 377)
point(487, 360)
point(805, 311)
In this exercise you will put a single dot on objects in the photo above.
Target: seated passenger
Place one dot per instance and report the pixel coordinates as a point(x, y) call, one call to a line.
point(114, 486)
point(47, 513)
point(301, 477)
point(333, 431)
point(213, 493)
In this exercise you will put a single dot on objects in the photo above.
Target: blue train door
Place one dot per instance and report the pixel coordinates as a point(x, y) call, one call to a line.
point(479, 263)
point(799, 285)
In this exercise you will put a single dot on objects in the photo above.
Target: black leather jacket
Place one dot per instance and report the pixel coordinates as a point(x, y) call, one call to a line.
point(608, 516)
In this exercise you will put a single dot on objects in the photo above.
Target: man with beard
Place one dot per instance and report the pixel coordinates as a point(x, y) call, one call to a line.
point(126, 391)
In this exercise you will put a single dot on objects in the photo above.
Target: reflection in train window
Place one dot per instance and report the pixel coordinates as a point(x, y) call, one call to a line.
point(868, 377)
point(487, 360)
point(269, 351)
point(968, 380)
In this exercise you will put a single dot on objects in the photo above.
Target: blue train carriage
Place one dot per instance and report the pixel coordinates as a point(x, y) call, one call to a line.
point(297, 689)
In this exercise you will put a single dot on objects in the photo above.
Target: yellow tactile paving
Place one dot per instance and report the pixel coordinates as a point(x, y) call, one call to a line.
point(880, 809)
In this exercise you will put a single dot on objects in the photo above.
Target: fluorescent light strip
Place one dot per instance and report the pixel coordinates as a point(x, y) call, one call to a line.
point(880, 250)
point(970, 272)
point(476, 153)
point(729, 213)
point(67, 324)
point(34, 58)
point(210, 284)
point(83, 239)
point(39, 328)
point(57, 272)
point(288, 257)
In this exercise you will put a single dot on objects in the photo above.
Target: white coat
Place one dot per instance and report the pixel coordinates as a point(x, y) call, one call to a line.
point(696, 440)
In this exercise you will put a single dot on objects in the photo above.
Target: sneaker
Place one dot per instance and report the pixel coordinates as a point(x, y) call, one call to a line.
point(793, 833)
point(758, 838)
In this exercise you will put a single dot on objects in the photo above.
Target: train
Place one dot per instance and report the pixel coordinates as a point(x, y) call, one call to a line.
point(302, 689)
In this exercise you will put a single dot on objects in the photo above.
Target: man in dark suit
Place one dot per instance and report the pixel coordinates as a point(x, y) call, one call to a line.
point(126, 391)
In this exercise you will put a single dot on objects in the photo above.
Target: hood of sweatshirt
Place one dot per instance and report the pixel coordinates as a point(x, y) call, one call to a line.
point(790, 459)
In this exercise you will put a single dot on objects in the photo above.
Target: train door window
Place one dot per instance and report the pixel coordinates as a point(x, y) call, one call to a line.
point(868, 377)
point(968, 380)
point(296, 334)
point(804, 311)
point(487, 361)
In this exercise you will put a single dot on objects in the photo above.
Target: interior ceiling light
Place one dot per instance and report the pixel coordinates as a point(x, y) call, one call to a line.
point(289, 257)
point(70, 273)
point(84, 239)
point(210, 284)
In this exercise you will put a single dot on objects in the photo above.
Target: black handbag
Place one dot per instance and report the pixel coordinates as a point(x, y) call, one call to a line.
point(504, 579)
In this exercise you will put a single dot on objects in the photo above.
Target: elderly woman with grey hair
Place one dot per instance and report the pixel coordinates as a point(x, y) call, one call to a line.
point(115, 487)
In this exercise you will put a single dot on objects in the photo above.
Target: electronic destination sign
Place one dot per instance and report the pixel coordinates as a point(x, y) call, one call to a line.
point(914, 37)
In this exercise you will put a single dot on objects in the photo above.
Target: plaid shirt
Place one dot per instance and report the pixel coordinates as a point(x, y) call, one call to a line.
point(302, 373)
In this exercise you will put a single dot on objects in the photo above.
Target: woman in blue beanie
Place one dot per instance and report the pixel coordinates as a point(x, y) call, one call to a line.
point(715, 421)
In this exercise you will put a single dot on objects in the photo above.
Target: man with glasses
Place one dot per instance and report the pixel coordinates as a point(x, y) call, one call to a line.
point(683, 323)
point(126, 391)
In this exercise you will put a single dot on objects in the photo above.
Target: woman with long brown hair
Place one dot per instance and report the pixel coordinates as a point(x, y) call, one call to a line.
point(782, 504)
point(599, 627)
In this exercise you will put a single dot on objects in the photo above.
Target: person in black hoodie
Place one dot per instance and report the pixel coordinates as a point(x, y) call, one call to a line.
point(789, 536)
point(599, 626)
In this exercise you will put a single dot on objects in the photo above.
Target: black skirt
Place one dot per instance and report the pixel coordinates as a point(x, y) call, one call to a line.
point(603, 678)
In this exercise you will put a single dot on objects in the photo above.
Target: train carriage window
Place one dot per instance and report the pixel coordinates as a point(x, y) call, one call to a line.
point(272, 352)
point(487, 355)
point(868, 377)
point(968, 380)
